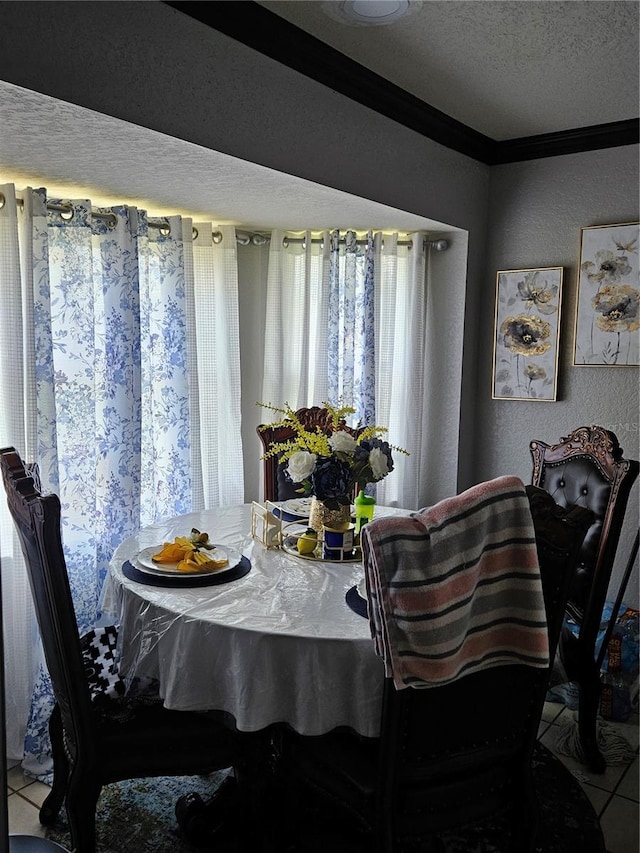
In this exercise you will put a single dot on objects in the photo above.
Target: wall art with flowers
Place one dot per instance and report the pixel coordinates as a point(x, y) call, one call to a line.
point(608, 304)
point(525, 344)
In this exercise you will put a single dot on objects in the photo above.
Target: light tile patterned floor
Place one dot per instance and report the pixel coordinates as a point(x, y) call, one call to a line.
point(614, 794)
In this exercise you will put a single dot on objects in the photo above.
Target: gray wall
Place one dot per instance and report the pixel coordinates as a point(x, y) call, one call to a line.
point(536, 212)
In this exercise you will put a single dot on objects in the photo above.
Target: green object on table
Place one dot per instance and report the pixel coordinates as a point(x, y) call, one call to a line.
point(365, 506)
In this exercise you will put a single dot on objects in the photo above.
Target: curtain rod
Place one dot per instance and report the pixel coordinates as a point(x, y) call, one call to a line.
point(68, 209)
point(242, 238)
point(438, 245)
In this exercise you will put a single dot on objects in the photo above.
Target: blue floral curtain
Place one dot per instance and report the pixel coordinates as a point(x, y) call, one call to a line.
point(113, 365)
point(351, 327)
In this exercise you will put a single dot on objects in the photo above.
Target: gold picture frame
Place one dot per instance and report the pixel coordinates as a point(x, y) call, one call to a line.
point(607, 322)
point(526, 334)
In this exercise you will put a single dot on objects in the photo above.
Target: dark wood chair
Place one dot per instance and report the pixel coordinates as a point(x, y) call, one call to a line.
point(587, 468)
point(276, 485)
point(92, 749)
point(448, 756)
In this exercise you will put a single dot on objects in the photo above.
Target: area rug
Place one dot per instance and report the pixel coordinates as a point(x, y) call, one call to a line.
point(138, 816)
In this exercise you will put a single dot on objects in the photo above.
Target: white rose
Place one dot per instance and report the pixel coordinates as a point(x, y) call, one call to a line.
point(301, 465)
point(379, 463)
point(342, 442)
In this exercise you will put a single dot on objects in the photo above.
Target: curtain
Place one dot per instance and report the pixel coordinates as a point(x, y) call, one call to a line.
point(108, 316)
point(351, 326)
point(216, 391)
point(402, 404)
point(346, 320)
point(23, 267)
point(296, 321)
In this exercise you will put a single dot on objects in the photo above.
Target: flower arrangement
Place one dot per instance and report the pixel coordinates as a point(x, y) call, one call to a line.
point(330, 462)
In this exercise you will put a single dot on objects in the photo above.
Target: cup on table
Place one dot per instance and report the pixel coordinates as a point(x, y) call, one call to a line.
point(338, 542)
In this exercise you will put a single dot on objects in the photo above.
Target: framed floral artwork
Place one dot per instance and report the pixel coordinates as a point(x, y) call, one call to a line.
point(608, 304)
point(525, 342)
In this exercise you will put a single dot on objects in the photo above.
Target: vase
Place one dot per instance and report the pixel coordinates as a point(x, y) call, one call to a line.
point(320, 516)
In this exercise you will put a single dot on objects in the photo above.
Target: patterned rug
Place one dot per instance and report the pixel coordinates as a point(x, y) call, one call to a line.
point(138, 816)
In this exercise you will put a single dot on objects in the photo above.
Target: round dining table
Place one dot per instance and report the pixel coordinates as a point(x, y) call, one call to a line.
point(276, 642)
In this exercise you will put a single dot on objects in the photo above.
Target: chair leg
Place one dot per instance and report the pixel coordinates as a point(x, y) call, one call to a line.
point(50, 808)
point(205, 823)
point(82, 798)
point(579, 662)
point(588, 702)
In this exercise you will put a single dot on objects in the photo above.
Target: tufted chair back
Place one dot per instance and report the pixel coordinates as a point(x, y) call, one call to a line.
point(587, 469)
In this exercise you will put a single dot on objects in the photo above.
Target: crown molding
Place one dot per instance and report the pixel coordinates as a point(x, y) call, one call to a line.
point(256, 27)
point(573, 141)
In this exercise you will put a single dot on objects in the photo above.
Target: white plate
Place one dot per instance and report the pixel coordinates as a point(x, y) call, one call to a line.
point(362, 589)
point(300, 508)
point(146, 564)
point(297, 507)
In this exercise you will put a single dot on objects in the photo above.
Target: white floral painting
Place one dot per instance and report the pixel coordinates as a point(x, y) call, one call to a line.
point(608, 306)
point(527, 323)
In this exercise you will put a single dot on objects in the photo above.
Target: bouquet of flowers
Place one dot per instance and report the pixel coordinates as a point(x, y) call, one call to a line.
point(330, 462)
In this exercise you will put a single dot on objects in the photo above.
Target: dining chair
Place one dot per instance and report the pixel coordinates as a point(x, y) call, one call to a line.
point(450, 756)
point(587, 468)
point(276, 484)
point(93, 746)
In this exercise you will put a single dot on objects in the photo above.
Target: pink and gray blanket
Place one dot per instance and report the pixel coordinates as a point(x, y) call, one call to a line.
point(456, 588)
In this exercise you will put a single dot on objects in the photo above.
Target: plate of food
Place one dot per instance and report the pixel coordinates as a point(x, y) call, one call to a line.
point(193, 554)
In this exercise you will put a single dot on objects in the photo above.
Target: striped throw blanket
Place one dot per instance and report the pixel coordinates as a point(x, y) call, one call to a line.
point(456, 588)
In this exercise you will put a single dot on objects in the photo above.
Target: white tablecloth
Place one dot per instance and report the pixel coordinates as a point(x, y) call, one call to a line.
point(277, 645)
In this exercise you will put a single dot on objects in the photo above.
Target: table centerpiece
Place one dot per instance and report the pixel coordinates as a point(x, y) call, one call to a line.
point(332, 463)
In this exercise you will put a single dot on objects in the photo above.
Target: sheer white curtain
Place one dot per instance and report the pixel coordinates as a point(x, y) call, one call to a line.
point(22, 261)
point(297, 328)
point(401, 296)
point(214, 371)
point(296, 322)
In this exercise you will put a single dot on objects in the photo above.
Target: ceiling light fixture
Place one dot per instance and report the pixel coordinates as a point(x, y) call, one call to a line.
point(368, 12)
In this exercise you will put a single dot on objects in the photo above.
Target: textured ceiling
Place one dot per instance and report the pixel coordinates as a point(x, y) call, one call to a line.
point(506, 68)
point(73, 152)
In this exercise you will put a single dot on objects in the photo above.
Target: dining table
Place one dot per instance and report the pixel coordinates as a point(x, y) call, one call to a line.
point(273, 638)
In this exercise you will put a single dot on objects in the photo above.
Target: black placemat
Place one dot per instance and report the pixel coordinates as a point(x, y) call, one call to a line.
point(356, 602)
point(239, 571)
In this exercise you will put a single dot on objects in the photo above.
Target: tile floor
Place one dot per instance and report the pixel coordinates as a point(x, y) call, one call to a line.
point(614, 794)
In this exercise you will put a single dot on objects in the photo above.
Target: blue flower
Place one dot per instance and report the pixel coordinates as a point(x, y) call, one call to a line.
point(332, 478)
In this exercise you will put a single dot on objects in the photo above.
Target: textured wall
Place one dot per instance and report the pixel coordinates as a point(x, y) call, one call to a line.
point(536, 212)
